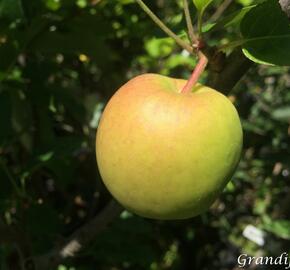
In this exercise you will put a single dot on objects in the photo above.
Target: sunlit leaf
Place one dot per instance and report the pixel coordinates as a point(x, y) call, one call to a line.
point(201, 5)
point(282, 114)
point(281, 228)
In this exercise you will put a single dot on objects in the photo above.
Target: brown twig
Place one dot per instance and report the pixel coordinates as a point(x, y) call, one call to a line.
point(232, 70)
point(162, 26)
point(193, 38)
point(221, 9)
point(235, 66)
point(95, 2)
point(79, 239)
point(285, 5)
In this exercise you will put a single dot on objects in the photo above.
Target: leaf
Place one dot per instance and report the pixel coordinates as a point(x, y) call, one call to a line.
point(83, 34)
point(53, 5)
point(266, 31)
point(69, 99)
point(201, 5)
point(58, 158)
point(47, 219)
point(16, 40)
point(280, 228)
point(8, 54)
point(245, 2)
point(44, 230)
point(231, 20)
point(160, 47)
point(249, 2)
point(11, 9)
point(282, 114)
point(46, 156)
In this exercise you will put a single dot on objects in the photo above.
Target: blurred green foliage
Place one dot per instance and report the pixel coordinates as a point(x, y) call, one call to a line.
point(60, 62)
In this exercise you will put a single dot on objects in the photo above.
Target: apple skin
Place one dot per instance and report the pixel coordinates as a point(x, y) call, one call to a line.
point(164, 154)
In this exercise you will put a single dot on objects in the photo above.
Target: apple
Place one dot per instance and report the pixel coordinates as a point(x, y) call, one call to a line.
point(165, 154)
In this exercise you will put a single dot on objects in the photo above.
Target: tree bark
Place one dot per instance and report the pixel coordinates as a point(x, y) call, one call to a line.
point(231, 70)
point(80, 239)
point(285, 5)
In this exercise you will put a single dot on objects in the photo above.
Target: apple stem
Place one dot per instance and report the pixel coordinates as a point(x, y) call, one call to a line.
point(162, 26)
point(198, 70)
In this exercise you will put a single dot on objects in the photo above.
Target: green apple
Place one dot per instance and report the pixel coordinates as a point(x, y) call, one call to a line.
point(165, 154)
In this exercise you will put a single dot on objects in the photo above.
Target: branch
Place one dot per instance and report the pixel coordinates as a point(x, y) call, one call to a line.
point(95, 2)
point(221, 9)
point(80, 239)
point(192, 37)
point(230, 71)
point(177, 39)
point(225, 73)
point(285, 5)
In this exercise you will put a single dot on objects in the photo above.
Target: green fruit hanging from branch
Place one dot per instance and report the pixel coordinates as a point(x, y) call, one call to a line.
point(166, 154)
point(167, 147)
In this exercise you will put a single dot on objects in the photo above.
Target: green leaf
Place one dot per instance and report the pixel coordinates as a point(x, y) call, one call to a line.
point(201, 5)
point(68, 98)
point(282, 114)
point(233, 19)
point(245, 2)
point(44, 230)
point(46, 157)
point(266, 31)
point(160, 47)
point(8, 54)
point(81, 35)
point(48, 220)
point(53, 4)
point(11, 9)
point(249, 2)
point(280, 228)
